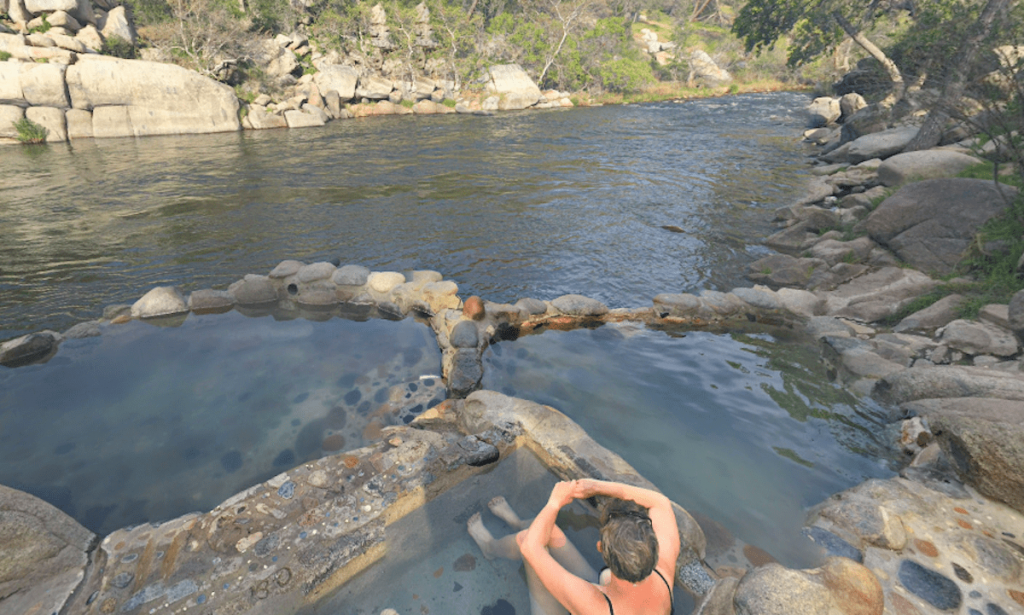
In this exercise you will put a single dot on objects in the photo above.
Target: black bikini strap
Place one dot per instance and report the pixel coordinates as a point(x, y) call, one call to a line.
point(670, 597)
point(611, 611)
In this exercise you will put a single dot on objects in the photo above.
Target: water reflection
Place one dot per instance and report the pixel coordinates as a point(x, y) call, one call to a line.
point(520, 204)
point(146, 423)
point(743, 429)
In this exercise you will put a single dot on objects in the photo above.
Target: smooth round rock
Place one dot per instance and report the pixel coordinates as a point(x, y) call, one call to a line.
point(832, 544)
point(28, 349)
point(775, 590)
point(855, 588)
point(578, 305)
point(253, 290)
point(534, 307)
point(161, 301)
point(464, 335)
point(930, 586)
point(466, 372)
point(83, 330)
point(317, 295)
point(676, 304)
point(285, 269)
point(210, 300)
point(350, 275)
point(473, 308)
point(314, 272)
point(384, 281)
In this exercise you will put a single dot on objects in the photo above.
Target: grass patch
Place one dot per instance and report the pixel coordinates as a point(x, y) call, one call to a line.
point(875, 202)
point(29, 132)
point(987, 170)
point(449, 102)
point(4, 56)
point(408, 104)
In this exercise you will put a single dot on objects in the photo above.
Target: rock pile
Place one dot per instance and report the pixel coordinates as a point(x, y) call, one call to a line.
point(54, 29)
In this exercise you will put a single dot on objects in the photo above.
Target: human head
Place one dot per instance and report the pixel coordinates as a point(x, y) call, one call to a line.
point(628, 543)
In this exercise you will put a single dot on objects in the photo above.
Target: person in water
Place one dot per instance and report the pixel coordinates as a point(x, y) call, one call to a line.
point(639, 543)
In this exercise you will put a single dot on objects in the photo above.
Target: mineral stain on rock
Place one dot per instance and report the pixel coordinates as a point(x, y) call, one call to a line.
point(501, 607)
point(465, 563)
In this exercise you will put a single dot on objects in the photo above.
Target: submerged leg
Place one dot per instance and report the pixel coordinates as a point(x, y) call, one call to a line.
point(491, 548)
point(564, 552)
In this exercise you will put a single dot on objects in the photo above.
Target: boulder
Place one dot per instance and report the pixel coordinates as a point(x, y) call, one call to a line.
point(340, 79)
point(206, 301)
point(374, 87)
point(938, 314)
point(253, 290)
point(260, 119)
point(878, 294)
point(9, 114)
point(930, 224)
point(50, 118)
point(37, 7)
point(116, 25)
point(705, 71)
point(17, 12)
point(61, 19)
point(984, 440)
point(880, 144)
point(67, 42)
point(384, 281)
point(775, 590)
point(832, 251)
point(976, 338)
point(945, 381)
point(111, 121)
point(303, 119)
point(779, 270)
point(578, 305)
point(28, 349)
point(866, 121)
point(43, 554)
point(161, 301)
point(84, 12)
point(159, 98)
point(43, 84)
point(850, 104)
point(10, 82)
point(926, 164)
point(351, 275)
point(276, 61)
point(515, 89)
point(823, 111)
point(90, 37)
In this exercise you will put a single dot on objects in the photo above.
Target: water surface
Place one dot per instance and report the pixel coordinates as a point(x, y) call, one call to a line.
point(520, 204)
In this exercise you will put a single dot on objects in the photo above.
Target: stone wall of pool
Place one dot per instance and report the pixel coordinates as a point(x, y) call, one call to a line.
point(923, 542)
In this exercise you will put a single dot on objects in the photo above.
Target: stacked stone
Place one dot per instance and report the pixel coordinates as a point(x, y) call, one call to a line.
point(64, 27)
point(424, 33)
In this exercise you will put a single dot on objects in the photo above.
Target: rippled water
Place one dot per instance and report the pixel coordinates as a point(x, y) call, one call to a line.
point(520, 204)
point(744, 429)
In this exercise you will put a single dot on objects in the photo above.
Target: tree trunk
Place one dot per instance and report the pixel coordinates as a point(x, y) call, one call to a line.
point(876, 53)
point(931, 131)
point(472, 7)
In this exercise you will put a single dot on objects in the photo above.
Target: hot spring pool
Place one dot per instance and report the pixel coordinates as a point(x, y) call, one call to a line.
point(742, 429)
point(146, 423)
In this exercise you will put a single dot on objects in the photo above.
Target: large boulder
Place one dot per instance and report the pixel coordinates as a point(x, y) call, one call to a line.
point(926, 164)
point(984, 438)
point(43, 554)
point(116, 25)
point(43, 84)
point(276, 61)
point(514, 87)
point(48, 6)
point(9, 114)
point(160, 301)
point(374, 87)
point(977, 338)
point(340, 79)
point(880, 144)
point(823, 111)
point(947, 381)
point(160, 98)
point(705, 71)
point(878, 294)
point(50, 118)
point(929, 224)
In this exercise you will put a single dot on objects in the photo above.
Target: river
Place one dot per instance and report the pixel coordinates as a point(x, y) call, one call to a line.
point(519, 204)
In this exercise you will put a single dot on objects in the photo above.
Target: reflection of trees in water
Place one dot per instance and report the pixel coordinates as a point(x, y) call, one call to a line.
point(808, 394)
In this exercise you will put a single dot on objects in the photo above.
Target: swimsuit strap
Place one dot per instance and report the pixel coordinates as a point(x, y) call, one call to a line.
point(611, 611)
point(672, 610)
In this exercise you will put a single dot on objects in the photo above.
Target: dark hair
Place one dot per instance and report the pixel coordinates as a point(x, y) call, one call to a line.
point(628, 543)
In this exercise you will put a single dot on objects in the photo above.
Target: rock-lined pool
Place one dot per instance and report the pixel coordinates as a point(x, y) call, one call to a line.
point(146, 423)
point(742, 429)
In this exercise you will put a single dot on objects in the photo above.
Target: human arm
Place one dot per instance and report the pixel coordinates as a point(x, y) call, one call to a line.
point(572, 592)
point(659, 508)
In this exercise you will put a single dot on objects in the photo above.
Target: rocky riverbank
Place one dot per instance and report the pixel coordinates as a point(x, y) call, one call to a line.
point(945, 536)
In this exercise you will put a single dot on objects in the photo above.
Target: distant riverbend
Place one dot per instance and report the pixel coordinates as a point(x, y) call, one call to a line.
point(536, 203)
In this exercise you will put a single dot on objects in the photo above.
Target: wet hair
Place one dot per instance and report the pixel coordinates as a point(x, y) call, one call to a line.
point(628, 543)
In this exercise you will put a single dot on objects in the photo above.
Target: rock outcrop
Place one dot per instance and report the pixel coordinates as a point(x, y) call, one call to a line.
point(514, 88)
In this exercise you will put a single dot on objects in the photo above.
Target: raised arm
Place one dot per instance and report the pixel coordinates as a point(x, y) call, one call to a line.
point(663, 519)
point(575, 594)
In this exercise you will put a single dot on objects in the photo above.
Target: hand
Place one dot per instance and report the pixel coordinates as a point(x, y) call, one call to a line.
point(587, 487)
point(562, 493)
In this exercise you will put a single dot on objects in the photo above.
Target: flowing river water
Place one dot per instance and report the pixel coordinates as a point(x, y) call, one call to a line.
point(145, 423)
point(520, 204)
